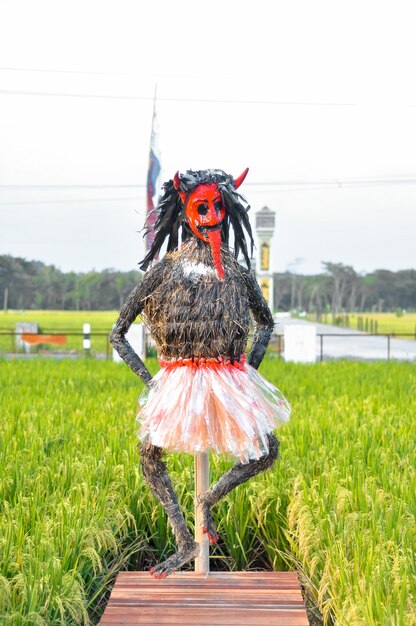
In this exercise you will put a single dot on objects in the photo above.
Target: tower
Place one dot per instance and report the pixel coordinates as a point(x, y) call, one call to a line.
point(265, 219)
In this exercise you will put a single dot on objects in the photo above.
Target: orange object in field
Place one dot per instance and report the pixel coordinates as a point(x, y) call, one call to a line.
point(34, 339)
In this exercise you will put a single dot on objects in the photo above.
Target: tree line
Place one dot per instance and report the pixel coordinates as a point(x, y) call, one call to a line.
point(34, 285)
point(339, 288)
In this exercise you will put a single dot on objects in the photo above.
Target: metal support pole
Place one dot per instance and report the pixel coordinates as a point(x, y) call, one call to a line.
point(322, 347)
point(388, 347)
point(201, 486)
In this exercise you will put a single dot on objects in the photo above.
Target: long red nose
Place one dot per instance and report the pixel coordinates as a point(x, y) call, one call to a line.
point(214, 237)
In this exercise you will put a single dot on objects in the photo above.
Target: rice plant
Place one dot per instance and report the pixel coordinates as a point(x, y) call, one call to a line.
point(339, 505)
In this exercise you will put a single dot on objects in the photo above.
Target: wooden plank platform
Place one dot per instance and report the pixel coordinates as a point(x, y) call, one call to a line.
point(191, 599)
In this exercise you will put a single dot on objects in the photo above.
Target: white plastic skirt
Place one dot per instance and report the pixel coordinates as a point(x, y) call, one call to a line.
point(211, 404)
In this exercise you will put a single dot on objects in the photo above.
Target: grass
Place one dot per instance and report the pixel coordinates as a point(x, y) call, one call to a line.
point(60, 321)
point(339, 504)
point(99, 320)
point(389, 322)
point(386, 322)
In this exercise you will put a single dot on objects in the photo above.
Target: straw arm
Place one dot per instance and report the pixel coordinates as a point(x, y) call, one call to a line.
point(263, 318)
point(130, 310)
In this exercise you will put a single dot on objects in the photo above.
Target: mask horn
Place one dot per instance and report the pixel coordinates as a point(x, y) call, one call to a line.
point(238, 181)
point(176, 181)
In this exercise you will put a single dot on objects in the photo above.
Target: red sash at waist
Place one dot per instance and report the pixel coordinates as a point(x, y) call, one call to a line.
point(212, 363)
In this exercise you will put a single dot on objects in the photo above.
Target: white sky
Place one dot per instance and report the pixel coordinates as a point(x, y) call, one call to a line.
point(341, 73)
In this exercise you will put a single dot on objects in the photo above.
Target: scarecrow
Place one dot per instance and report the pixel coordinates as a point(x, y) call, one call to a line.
point(197, 302)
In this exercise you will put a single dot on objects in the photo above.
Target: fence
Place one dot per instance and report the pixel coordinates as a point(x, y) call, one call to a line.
point(360, 346)
point(329, 346)
point(100, 345)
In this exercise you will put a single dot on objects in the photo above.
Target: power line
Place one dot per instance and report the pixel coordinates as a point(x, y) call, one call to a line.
point(316, 186)
point(95, 73)
point(337, 182)
point(282, 188)
point(346, 182)
point(128, 199)
point(71, 186)
point(162, 99)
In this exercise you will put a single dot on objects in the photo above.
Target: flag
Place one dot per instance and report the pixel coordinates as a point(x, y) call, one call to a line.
point(152, 176)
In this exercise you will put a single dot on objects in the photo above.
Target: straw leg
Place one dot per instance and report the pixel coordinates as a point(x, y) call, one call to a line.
point(201, 487)
point(238, 474)
point(158, 479)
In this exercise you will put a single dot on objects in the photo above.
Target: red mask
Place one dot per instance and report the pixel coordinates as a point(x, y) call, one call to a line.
point(204, 210)
point(204, 213)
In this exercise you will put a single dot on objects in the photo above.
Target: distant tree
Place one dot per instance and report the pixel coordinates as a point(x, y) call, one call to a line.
point(342, 282)
point(282, 284)
point(317, 290)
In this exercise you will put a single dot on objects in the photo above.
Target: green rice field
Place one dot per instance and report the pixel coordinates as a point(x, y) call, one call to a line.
point(387, 323)
point(339, 505)
point(99, 320)
point(65, 322)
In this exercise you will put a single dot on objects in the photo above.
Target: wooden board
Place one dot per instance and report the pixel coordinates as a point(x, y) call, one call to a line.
point(191, 599)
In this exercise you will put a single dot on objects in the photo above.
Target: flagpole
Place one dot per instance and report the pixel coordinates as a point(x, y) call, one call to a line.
point(152, 175)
